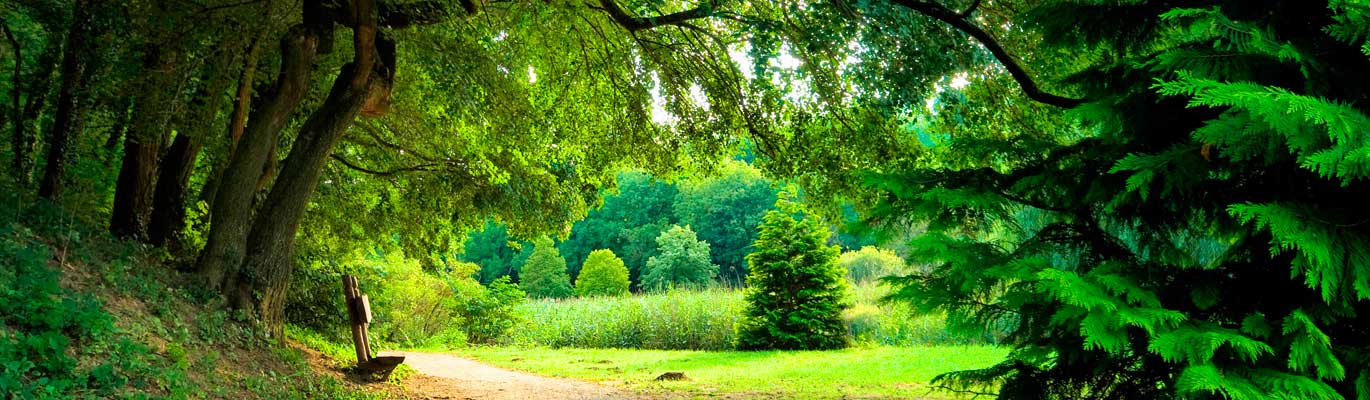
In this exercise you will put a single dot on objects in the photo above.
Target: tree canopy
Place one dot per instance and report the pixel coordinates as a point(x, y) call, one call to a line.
point(682, 261)
point(1121, 185)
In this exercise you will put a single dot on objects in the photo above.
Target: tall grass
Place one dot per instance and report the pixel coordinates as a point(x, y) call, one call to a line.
point(703, 320)
point(676, 320)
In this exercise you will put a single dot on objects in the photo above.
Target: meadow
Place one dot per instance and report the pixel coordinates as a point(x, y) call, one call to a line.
point(704, 320)
point(859, 372)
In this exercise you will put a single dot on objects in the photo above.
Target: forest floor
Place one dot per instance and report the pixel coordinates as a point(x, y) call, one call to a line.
point(496, 373)
point(449, 377)
point(443, 376)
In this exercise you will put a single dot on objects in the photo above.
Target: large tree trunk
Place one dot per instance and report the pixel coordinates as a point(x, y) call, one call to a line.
point(72, 103)
point(152, 120)
point(230, 217)
point(265, 275)
point(173, 181)
point(241, 104)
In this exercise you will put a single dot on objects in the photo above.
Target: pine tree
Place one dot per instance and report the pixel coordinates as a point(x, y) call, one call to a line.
point(796, 291)
point(603, 274)
point(1195, 230)
point(544, 274)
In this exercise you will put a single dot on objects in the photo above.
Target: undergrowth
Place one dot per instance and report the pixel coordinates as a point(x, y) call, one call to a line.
point(83, 315)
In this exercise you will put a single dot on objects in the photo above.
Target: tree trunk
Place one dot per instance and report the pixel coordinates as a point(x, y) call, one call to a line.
point(241, 104)
point(173, 181)
point(16, 106)
point(122, 115)
point(265, 275)
point(133, 190)
point(142, 143)
point(230, 217)
point(72, 103)
point(39, 87)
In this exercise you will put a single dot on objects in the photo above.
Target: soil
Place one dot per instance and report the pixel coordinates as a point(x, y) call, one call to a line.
point(442, 376)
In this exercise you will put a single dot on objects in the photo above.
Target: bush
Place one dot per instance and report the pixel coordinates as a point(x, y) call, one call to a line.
point(870, 263)
point(544, 274)
point(43, 325)
point(488, 312)
point(796, 292)
point(681, 261)
point(411, 305)
point(603, 274)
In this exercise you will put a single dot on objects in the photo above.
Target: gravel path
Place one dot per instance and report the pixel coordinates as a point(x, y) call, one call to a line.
point(444, 376)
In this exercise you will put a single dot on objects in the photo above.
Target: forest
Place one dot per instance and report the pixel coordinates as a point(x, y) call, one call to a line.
point(942, 199)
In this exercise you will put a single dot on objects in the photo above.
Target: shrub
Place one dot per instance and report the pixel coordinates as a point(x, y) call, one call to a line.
point(796, 292)
point(681, 261)
point(488, 312)
point(411, 305)
point(603, 274)
point(544, 274)
point(870, 263)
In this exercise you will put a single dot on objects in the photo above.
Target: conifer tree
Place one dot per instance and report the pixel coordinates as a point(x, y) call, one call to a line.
point(1195, 229)
point(544, 274)
point(796, 291)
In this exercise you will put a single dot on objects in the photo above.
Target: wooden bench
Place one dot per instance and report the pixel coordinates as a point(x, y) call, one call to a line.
point(359, 313)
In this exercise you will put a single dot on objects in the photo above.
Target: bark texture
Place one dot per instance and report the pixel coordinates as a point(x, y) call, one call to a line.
point(270, 263)
point(152, 112)
point(72, 104)
point(231, 214)
point(173, 179)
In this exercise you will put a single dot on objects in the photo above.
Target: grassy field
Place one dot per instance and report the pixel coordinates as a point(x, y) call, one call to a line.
point(869, 372)
point(705, 320)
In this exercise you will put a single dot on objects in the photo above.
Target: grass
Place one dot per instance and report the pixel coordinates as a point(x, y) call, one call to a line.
point(83, 315)
point(704, 320)
point(870, 372)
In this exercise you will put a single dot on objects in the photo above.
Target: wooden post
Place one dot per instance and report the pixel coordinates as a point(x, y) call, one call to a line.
point(358, 313)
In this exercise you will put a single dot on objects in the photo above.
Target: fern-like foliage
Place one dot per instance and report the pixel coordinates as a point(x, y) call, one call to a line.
point(1199, 230)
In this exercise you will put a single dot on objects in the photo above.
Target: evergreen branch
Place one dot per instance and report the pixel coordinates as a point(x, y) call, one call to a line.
point(958, 21)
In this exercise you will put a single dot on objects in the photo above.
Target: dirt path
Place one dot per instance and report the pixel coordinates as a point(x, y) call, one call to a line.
point(442, 376)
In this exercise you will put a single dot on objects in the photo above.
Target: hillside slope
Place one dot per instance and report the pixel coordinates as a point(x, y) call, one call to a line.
point(85, 316)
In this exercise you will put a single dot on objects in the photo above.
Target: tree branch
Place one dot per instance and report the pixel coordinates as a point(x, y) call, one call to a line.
point(634, 23)
point(958, 20)
point(399, 15)
point(969, 9)
point(358, 168)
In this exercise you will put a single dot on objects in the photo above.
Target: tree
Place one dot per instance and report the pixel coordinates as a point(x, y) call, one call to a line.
point(681, 261)
point(544, 275)
point(725, 211)
point(870, 263)
point(627, 223)
point(603, 275)
point(795, 291)
point(69, 120)
point(1189, 232)
point(489, 248)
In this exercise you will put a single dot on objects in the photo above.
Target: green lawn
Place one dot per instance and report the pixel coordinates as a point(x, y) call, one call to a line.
point(879, 372)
